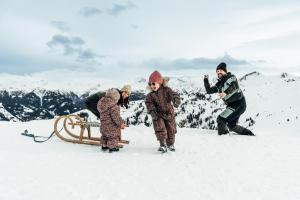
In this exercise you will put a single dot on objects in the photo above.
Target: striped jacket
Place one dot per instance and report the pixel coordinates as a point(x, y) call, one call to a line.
point(227, 84)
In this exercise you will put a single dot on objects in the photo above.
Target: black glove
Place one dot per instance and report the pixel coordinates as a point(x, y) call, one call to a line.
point(154, 115)
point(206, 81)
point(176, 102)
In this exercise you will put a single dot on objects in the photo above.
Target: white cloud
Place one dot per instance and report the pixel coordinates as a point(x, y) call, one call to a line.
point(119, 8)
point(89, 11)
point(73, 46)
point(60, 25)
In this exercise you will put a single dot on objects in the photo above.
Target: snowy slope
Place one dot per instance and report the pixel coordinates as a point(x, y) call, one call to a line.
point(205, 166)
point(275, 98)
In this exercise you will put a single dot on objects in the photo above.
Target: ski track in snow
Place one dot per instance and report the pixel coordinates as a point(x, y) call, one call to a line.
point(204, 166)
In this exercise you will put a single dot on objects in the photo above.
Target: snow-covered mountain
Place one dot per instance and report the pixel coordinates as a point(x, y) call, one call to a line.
point(37, 104)
point(272, 100)
point(20, 105)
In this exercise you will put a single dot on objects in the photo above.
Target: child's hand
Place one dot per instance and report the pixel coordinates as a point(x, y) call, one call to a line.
point(123, 126)
point(176, 102)
point(222, 95)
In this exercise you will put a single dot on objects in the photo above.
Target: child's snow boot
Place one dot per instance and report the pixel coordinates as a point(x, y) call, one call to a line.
point(103, 148)
point(113, 150)
point(163, 147)
point(171, 148)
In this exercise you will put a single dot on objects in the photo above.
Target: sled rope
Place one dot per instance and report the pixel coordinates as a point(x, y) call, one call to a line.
point(35, 137)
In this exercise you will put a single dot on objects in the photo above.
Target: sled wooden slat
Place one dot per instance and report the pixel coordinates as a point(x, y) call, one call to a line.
point(74, 129)
point(87, 124)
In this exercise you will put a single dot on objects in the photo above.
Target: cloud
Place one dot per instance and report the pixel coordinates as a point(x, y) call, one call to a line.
point(134, 26)
point(278, 18)
point(70, 44)
point(195, 63)
point(89, 11)
point(286, 41)
point(119, 8)
point(60, 25)
point(73, 46)
point(15, 63)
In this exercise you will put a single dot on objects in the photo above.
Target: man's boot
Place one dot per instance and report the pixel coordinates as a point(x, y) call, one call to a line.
point(241, 130)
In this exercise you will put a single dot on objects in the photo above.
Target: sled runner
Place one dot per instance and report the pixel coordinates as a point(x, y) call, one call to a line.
point(74, 129)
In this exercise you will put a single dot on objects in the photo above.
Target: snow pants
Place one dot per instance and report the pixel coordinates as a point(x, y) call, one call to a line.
point(165, 130)
point(110, 141)
point(230, 117)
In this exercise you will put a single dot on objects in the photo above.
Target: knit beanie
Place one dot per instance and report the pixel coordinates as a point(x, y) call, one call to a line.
point(126, 88)
point(222, 66)
point(156, 77)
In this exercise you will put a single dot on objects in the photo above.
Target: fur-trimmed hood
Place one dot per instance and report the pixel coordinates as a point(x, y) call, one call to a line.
point(113, 94)
point(110, 100)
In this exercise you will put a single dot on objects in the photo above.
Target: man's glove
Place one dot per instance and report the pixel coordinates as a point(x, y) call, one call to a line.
point(154, 115)
point(176, 102)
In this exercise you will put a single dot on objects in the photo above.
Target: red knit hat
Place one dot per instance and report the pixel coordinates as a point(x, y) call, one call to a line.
point(156, 77)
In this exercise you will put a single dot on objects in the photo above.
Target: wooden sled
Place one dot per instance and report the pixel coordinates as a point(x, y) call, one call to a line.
point(74, 129)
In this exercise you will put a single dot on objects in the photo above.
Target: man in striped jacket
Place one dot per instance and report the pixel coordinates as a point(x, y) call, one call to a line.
point(230, 92)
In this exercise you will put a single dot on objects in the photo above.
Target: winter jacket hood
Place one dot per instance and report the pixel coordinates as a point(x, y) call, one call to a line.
point(111, 99)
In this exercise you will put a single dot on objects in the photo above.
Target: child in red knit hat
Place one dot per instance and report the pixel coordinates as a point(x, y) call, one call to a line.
point(159, 103)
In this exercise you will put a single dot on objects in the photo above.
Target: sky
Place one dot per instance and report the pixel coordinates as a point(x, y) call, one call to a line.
point(124, 39)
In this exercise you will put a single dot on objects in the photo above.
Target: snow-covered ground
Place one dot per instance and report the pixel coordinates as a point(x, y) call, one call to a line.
point(204, 166)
